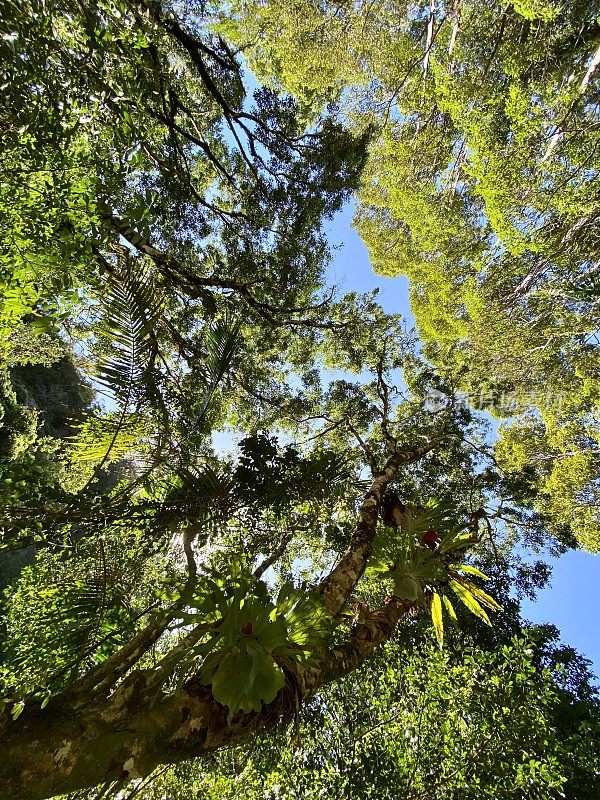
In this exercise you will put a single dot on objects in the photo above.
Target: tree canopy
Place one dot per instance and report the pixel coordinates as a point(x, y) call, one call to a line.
point(249, 519)
point(482, 187)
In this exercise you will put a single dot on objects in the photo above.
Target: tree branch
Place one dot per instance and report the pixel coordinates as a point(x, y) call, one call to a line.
point(336, 587)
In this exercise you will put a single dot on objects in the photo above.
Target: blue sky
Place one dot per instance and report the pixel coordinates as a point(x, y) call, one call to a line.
point(350, 269)
point(571, 601)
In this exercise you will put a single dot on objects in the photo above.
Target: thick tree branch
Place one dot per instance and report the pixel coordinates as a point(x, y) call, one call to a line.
point(336, 587)
point(90, 735)
point(193, 285)
point(64, 747)
point(379, 625)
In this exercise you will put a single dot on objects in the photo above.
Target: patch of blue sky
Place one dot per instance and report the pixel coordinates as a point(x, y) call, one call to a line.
point(571, 602)
point(350, 269)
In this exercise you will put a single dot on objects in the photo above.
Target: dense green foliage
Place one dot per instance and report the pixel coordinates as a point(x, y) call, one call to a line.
point(246, 517)
point(482, 187)
point(421, 724)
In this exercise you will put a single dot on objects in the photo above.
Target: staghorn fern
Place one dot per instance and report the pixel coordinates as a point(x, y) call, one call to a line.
point(423, 576)
point(247, 636)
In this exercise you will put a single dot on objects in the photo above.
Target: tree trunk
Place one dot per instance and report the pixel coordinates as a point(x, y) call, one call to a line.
point(64, 747)
point(67, 746)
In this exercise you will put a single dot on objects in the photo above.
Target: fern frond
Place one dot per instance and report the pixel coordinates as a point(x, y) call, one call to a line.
point(127, 348)
point(70, 620)
point(105, 439)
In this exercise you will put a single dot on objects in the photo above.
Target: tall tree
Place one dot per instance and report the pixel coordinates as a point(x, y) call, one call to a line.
point(420, 722)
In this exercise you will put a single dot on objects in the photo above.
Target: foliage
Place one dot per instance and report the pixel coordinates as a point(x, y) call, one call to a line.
point(418, 574)
point(425, 722)
point(18, 423)
point(67, 614)
point(251, 633)
point(480, 186)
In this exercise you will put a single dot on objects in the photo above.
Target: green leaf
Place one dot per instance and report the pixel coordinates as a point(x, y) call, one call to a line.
point(436, 616)
point(17, 710)
point(244, 681)
point(449, 608)
point(467, 598)
point(471, 570)
point(132, 309)
point(406, 587)
point(457, 540)
point(41, 324)
point(269, 630)
point(481, 596)
point(221, 342)
point(307, 620)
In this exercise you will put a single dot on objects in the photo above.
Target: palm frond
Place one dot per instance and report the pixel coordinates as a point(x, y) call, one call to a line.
point(132, 308)
point(71, 618)
point(105, 439)
point(127, 349)
point(221, 340)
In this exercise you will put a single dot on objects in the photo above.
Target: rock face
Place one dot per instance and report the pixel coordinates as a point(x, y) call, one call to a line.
point(12, 562)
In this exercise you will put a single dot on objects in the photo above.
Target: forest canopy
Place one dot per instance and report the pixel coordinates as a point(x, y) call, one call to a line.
point(260, 538)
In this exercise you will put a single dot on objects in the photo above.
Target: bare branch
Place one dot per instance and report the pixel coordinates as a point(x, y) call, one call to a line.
point(273, 557)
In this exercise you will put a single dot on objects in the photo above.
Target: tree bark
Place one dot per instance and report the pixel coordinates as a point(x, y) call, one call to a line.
point(65, 747)
point(336, 587)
